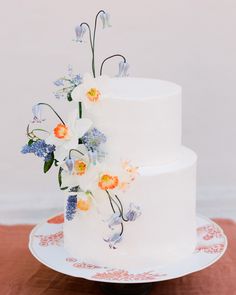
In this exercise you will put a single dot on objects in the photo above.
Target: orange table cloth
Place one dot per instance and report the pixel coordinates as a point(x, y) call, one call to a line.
point(22, 274)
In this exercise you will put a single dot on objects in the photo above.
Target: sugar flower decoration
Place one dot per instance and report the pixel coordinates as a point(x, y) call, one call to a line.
point(65, 137)
point(79, 32)
point(113, 240)
point(123, 69)
point(84, 201)
point(115, 219)
point(69, 164)
point(133, 213)
point(92, 90)
point(66, 84)
point(107, 181)
point(80, 167)
point(105, 17)
point(40, 149)
point(61, 131)
point(71, 207)
point(86, 181)
point(37, 114)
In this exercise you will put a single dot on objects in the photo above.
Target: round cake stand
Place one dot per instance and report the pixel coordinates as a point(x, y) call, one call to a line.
point(46, 245)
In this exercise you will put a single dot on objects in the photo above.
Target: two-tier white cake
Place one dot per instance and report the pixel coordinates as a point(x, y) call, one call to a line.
point(142, 122)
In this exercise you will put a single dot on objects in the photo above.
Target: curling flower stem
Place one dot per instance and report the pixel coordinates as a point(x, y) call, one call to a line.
point(48, 105)
point(94, 38)
point(110, 57)
point(71, 150)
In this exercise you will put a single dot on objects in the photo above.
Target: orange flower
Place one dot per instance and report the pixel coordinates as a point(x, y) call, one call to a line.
point(83, 205)
point(61, 131)
point(93, 94)
point(108, 182)
point(80, 167)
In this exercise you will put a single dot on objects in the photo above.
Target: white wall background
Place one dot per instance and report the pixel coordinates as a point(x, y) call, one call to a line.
point(189, 42)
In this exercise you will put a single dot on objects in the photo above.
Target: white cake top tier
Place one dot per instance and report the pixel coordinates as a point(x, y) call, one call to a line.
point(141, 119)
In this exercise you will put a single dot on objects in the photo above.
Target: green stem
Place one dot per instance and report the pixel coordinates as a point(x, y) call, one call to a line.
point(93, 42)
point(110, 199)
point(80, 116)
point(91, 45)
point(31, 134)
point(46, 104)
point(80, 109)
point(109, 57)
point(122, 210)
point(71, 150)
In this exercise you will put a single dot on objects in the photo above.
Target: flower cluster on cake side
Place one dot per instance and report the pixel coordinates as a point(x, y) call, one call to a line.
point(76, 147)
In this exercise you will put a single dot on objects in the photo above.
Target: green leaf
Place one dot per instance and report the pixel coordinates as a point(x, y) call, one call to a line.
point(30, 142)
point(64, 188)
point(56, 162)
point(69, 97)
point(60, 181)
point(48, 164)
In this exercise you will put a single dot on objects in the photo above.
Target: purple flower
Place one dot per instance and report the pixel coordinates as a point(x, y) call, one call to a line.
point(133, 213)
point(71, 207)
point(40, 149)
point(113, 240)
point(115, 219)
point(123, 69)
point(37, 114)
point(79, 32)
point(93, 138)
point(69, 164)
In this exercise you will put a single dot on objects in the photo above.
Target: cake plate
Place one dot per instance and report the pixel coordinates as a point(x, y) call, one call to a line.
point(46, 245)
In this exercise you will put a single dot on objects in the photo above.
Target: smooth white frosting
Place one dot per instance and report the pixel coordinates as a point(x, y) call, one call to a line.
point(141, 119)
point(142, 122)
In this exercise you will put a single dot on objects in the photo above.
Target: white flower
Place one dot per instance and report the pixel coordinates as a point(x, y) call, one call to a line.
point(65, 137)
point(87, 181)
point(92, 90)
point(105, 17)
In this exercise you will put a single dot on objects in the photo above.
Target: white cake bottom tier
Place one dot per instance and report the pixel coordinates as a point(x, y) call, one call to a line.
point(164, 233)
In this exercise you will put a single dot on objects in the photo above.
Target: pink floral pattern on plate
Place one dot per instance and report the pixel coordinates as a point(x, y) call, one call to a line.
point(211, 249)
point(209, 231)
point(46, 244)
point(124, 275)
point(82, 265)
point(55, 239)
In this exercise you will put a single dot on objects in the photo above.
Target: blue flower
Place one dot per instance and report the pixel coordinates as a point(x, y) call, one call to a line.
point(77, 79)
point(133, 213)
point(93, 138)
point(113, 240)
point(37, 114)
point(79, 32)
point(59, 82)
point(123, 69)
point(70, 164)
point(40, 149)
point(115, 219)
point(67, 84)
point(71, 207)
point(105, 17)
